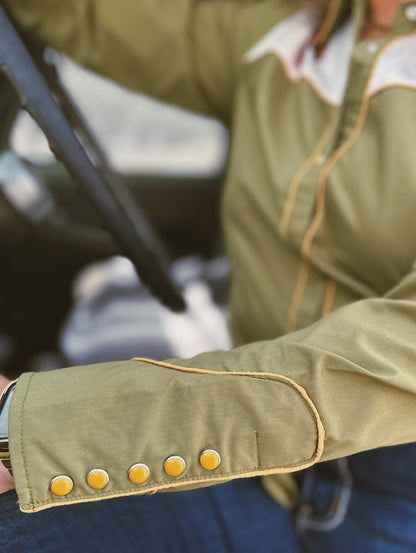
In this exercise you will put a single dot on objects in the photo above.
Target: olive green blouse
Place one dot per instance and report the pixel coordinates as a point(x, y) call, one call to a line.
point(319, 211)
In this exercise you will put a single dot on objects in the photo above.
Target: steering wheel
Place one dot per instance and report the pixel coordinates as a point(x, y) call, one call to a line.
point(42, 94)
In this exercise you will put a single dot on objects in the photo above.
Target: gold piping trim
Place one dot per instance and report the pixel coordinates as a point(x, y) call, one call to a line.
point(328, 22)
point(386, 47)
point(297, 296)
point(291, 197)
point(320, 209)
point(328, 303)
point(320, 202)
point(297, 179)
point(390, 86)
point(317, 219)
point(303, 393)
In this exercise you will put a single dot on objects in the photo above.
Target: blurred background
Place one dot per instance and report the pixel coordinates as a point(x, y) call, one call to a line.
point(67, 296)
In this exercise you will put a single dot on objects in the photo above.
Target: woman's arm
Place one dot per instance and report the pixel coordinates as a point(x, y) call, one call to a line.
point(186, 52)
point(343, 385)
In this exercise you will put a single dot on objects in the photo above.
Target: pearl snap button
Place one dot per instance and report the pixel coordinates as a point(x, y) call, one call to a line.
point(410, 12)
point(61, 485)
point(139, 473)
point(318, 160)
point(210, 459)
point(174, 465)
point(371, 47)
point(98, 479)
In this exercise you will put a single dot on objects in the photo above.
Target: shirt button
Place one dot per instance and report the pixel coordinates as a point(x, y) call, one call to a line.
point(410, 12)
point(61, 485)
point(318, 159)
point(98, 479)
point(210, 459)
point(139, 473)
point(371, 47)
point(174, 465)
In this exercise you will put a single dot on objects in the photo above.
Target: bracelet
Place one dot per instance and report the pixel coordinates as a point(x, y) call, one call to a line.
point(4, 442)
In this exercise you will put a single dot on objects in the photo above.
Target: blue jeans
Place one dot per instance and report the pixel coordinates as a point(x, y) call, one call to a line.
point(234, 517)
point(363, 504)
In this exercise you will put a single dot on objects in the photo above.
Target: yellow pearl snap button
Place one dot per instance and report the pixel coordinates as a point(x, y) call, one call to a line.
point(174, 465)
point(139, 473)
point(98, 479)
point(210, 459)
point(61, 485)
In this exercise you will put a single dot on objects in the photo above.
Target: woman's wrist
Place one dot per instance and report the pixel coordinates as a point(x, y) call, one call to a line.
point(3, 382)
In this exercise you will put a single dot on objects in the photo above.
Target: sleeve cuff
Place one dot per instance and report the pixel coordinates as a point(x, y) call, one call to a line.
point(114, 416)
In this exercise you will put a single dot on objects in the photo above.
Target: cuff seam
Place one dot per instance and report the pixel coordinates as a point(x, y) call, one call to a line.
point(21, 440)
point(258, 449)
